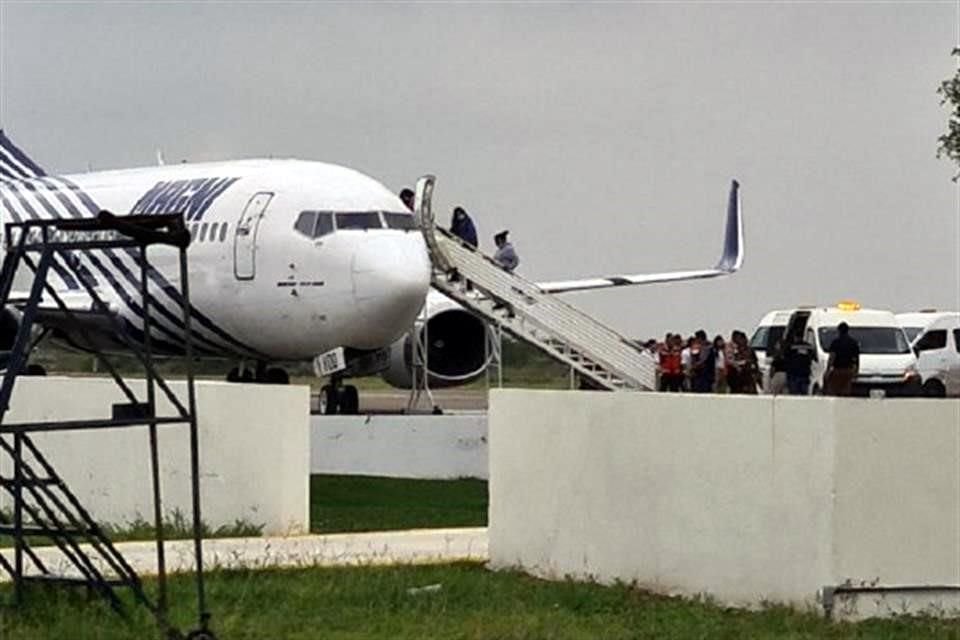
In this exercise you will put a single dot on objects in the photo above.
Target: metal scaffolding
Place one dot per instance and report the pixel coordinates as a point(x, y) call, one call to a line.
point(44, 507)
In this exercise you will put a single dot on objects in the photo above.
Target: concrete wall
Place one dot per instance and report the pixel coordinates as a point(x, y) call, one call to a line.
point(745, 498)
point(446, 446)
point(254, 448)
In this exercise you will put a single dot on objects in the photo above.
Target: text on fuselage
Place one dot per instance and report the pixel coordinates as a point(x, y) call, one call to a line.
point(192, 198)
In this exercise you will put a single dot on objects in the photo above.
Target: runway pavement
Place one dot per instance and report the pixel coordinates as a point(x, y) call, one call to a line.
point(396, 401)
point(420, 546)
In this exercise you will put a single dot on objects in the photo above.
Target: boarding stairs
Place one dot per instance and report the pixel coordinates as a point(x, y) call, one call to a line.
point(595, 351)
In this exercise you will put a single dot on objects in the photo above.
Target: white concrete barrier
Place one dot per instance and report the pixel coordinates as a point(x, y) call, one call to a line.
point(254, 451)
point(446, 446)
point(747, 499)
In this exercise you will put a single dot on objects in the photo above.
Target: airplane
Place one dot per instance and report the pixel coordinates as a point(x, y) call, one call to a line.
point(290, 260)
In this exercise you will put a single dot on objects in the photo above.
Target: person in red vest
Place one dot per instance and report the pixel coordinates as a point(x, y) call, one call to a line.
point(671, 368)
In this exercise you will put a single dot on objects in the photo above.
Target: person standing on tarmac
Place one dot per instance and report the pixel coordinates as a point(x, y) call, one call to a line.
point(778, 368)
point(843, 364)
point(671, 369)
point(461, 225)
point(704, 364)
point(799, 358)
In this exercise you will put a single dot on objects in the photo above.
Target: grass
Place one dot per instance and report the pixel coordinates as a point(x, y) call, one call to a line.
point(339, 504)
point(470, 603)
point(364, 503)
point(523, 366)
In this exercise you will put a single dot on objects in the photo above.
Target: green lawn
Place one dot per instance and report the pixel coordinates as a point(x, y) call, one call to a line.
point(364, 503)
point(470, 603)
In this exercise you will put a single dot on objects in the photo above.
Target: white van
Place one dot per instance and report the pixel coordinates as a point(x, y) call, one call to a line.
point(887, 362)
point(936, 341)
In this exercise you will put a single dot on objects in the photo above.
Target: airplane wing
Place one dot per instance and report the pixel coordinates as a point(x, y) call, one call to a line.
point(51, 316)
point(730, 260)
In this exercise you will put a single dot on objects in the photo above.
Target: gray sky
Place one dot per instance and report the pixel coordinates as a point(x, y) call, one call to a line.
point(603, 136)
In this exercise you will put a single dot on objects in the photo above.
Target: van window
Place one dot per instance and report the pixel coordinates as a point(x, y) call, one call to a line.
point(912, 332)
point(932, 340)
point(956, 340)
point(872, 340)
point(766, 336)
point(360, 220)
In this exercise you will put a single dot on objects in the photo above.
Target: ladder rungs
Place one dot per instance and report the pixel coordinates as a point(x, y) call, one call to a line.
point(43, 532)
point(29, 482)
point(71, 581)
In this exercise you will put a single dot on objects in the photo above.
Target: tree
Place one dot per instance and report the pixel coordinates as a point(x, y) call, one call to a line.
point(949, 143)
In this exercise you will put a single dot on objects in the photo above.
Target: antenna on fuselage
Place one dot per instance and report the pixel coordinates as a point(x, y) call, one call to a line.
point(160, 161)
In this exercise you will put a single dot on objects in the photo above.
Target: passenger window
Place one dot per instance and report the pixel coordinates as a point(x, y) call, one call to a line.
point(361, 220)
point(306, 222)
point(213, 231)
point(932, 340)
point(324, 224)
point(223, 231)
point(956, 340)
point(203, 232)
point(403, 221)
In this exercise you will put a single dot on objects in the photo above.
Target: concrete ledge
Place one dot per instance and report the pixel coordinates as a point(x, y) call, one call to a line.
point(423, 546)
point(254, 451)
point(749, 499)
point(418, 446)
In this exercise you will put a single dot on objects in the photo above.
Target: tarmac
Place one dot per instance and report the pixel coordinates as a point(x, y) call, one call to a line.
point(395, 402)
point(420, 546)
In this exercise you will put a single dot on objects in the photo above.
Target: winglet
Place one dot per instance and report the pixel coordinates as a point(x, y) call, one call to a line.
point(732, 257)
point(730, 260)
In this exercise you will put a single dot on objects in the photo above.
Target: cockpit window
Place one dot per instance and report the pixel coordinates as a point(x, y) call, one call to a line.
point(314, 224)
point(324, 224)
point(359, 220)
point(403, 221)
point(306, 222)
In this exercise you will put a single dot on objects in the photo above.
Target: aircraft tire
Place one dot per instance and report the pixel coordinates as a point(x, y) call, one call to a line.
point(329, 402)
point(349, 401)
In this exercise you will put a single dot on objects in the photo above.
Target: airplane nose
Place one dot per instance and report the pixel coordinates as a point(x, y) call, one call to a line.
point(391, 276)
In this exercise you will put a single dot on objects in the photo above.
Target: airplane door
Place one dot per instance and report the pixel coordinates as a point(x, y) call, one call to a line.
point(245, 238)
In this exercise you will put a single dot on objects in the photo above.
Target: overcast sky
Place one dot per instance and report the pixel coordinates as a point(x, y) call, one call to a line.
point(603, 136)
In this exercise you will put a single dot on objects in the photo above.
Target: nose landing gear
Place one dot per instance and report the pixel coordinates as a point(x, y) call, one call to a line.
point(338, 398)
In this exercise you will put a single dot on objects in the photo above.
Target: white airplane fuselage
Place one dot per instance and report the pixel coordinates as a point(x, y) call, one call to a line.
point(260, 287)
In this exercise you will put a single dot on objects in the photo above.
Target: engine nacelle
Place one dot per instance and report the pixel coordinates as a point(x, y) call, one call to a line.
point(456, 347)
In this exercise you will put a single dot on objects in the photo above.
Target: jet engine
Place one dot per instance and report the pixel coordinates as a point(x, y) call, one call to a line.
point(456, 342)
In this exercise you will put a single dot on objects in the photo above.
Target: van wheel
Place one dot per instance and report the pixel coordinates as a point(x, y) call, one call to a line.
point(934, 389)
